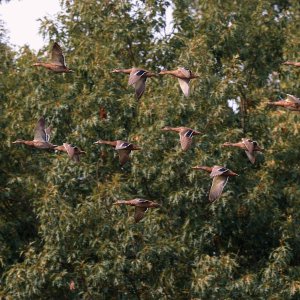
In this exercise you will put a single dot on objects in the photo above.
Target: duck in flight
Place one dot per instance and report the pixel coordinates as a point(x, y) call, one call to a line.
point(73, 151)
point(41, 138)
point(248, 145)
point(185, 134)
point(57, 62)
point(141, 206)
point(220, 177)
point(184, 76)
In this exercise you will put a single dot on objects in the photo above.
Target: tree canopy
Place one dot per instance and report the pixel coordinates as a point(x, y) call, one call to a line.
point(58, 226)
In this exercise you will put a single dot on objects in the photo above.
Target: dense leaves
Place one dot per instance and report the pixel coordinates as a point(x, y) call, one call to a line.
point(58, 227)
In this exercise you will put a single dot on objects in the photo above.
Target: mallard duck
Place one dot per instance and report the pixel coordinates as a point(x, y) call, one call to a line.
point(73, 151)
point(292, 63)
point(248, 145)
point(137, 78)
point(184, 76)
point(141, 206)
point(220, 177)
point(186, 134)
point(124, 148)
point(290, 102)
point(41, 138)
point(57, 62)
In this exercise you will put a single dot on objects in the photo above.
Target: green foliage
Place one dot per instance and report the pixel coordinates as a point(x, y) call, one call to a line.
point(57, 221)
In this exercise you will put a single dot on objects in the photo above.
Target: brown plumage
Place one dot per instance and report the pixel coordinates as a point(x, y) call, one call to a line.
point(102, 113)
point(41, 138)
point(73, 151)
point(57, 61)
point(186, 134)
point(184, 76)
point(124, 149)
point(137, 78)
point(141, 206)
point(292, 63)
point(290, 102)
point(220, 177)
point(248, 145)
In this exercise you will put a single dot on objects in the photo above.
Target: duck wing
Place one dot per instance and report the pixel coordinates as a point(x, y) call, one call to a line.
point(186, 139)
point(249, 144)
point(292, 99)
point(139, 87)
point(139, 213)
point(217, 187)
point(57, 56)
point(70, 149)
point(251, 156)
point(185, 86)
point(39, 131)
point(123, 156)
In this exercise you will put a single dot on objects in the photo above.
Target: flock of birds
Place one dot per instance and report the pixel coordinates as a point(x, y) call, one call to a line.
point(137, 79)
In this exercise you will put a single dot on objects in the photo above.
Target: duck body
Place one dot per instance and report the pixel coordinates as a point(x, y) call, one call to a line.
point(141, 206)
point(248, 145)
point(53, 67)
point(35, 144)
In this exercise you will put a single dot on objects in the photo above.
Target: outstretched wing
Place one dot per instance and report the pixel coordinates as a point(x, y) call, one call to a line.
point(249, 145)
point(139, 87)
point(139, 213)
point(251, 156)
point(293, 99)
point(217, 187)
point(123, 156)
point(186, 139)
point(70, 150)
point(185, 86)
point(48, 133)
point(39, 131)
point(57, 56)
